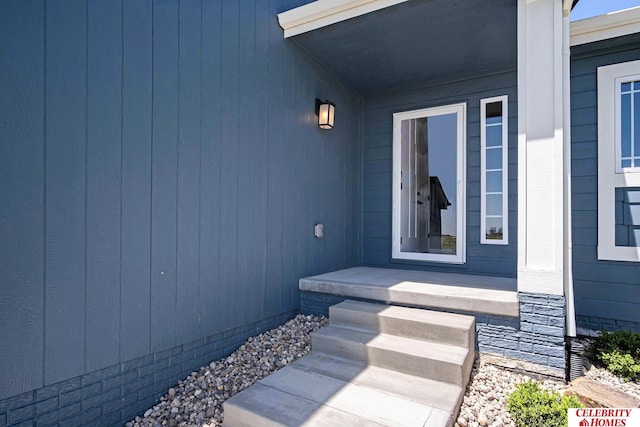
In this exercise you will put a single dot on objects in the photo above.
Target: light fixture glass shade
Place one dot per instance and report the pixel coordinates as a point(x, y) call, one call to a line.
point(326, 114)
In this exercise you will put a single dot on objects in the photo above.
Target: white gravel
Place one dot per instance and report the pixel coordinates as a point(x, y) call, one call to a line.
point(197, 400)
point(486, 396)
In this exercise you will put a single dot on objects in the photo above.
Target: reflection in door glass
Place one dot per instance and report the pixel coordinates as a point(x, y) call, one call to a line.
point(428, 184)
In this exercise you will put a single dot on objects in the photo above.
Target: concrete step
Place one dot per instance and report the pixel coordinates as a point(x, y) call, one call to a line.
point(406, 322)
point(428, 359)
point(427, 289)
point(437, 394)
point(264, 406)
point(373, 366)
point(374, 404)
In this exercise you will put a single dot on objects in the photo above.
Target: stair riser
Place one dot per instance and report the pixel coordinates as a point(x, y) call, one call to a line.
point(237, 416)
point(423, 367)
point(415, 365)
point(403, 327)
point(339, 348)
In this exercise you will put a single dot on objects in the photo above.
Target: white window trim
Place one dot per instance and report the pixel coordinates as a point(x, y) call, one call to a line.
point(609, 78)
point(461, 165)
point(618, 124)
point(505, 171)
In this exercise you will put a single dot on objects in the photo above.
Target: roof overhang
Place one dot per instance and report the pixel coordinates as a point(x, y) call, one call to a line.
point(321, 13)
point(381, 45)
point(614, 24)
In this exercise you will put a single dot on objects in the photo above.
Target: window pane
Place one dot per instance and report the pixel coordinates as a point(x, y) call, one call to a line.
point(494, 228)
point(625, 126)
point(494, 182)
point(636, 85)
point(494, 204)
point(493, 109)
point(625, 87)
point(494, 158)
point(636, 127)
point(494, 136)
point(429, 177)
point(626, 163)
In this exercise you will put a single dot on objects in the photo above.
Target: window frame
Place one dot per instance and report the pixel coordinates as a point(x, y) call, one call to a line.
point(504, 99)
point(461, 143)
point(611, 175)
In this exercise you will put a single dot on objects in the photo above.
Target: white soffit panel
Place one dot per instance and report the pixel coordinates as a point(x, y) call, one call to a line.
point(614, 24)
point(322, 13)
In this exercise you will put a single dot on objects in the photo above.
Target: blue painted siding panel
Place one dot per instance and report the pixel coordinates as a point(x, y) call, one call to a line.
point(277, 196)
point(377, 167)
point(164, 173)
point(136, 179)
point(189, 143)
point(22, 195)
point(163, 177)
point(229, 160)
point(210, 302)
point(66, 187)
point(602, 289)
point(104, 147)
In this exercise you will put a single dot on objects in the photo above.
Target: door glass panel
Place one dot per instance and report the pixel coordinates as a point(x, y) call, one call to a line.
point(428, 184)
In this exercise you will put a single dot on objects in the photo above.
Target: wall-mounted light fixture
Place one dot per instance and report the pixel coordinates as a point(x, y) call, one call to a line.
point(325, 110)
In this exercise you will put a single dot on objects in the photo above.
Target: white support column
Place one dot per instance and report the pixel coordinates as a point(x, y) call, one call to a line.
point(540, 147)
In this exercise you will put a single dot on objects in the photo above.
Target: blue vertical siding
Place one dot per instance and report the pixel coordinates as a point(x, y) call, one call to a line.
point(603, 289)
point(495, 260)
point(66, 189)
point(22, 188)
point(137, 119)
point(103, 216)
point(160, 177)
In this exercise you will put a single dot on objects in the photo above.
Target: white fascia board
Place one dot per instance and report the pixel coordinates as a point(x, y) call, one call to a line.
point(322, 13)
point(614, 24)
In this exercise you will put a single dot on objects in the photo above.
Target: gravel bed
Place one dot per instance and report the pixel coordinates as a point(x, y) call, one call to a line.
point(197, 400)
point(485, 400)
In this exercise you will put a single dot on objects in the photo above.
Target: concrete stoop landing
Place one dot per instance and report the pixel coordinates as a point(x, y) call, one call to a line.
point(374, 365)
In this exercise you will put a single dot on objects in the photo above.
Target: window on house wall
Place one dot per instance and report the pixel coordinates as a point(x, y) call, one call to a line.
point(429, 184)
point(493, 171)
point(619, 162)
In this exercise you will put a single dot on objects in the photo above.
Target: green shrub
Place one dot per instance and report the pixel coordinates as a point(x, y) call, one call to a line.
point(619, 351)
point(531, 406)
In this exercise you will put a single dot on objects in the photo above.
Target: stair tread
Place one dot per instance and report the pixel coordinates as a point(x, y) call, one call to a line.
point(438, 394)
point(431, 349)
point(451, 320)
point(427, 289)
point(264, 406)
point(366, 402)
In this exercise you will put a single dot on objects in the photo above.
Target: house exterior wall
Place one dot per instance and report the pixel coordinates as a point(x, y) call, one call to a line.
point(160, 178)
point(607, 293)
point(498, 260)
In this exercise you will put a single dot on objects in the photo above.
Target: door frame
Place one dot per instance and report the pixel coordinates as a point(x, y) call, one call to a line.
point(460, 109)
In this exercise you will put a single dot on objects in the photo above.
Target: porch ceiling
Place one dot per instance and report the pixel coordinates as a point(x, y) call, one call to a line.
point(417, 41)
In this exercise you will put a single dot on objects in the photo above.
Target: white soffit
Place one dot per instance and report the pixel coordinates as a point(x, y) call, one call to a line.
point(322, 13)
point(614, 24)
